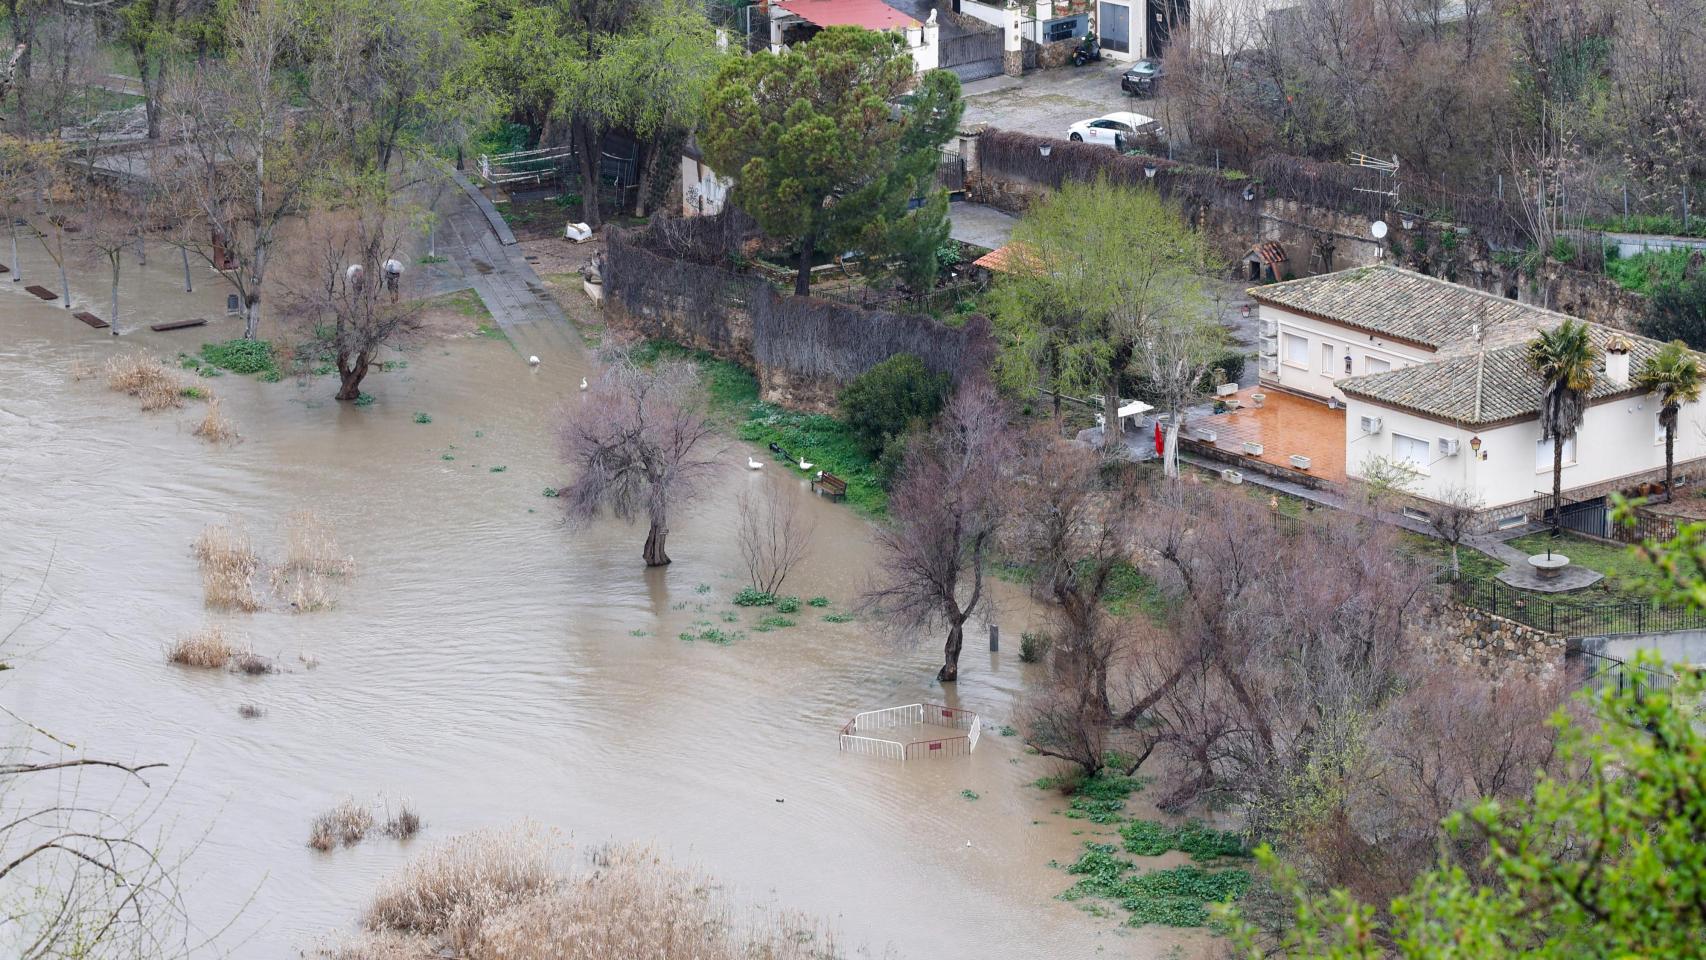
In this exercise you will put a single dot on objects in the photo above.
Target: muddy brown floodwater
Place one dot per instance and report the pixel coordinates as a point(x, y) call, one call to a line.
point(485, 661)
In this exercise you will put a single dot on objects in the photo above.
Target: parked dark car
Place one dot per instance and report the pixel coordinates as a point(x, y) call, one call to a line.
point(1143, 79)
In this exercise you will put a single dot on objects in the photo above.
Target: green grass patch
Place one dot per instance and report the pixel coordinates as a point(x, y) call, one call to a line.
point(1647, 271)
point(774, 622)
point(241, 356)
point(1008, 731)
point(823, 440)
point(423, 418)
point(838, 618)
point(788, 605)
point(716, 635)
point(1098, 799)
point(194, 393)
point(1625, 573)
point(729, 616)
point(754, 597)
point(391, 366)
point(638, 633)
point(466, 303)
point(499, 469)
point(1178, 897)
point(1151, 838)
point(365, 399)
point(968, 794)
point(818, 602)
point(1127, 591)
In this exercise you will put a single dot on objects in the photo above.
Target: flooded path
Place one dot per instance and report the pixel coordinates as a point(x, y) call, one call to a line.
point(485, 661)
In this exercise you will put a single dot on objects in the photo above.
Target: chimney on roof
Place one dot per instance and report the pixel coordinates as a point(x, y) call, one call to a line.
point(1617, 361)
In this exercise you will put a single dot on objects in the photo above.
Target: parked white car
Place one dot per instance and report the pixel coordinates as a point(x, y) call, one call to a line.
point(1110, 129)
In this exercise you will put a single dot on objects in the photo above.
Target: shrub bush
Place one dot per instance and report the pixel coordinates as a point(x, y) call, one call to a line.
point(891, 398)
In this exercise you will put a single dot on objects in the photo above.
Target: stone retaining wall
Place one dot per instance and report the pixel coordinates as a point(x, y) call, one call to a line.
point(1494, 644)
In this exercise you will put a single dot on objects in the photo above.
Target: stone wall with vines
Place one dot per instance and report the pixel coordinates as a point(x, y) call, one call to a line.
point(680, 281)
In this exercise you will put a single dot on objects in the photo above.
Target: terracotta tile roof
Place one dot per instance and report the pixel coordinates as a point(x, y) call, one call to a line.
point(1491, 386)
point(870, 14)
point(1405, 305)
point(1011, 258)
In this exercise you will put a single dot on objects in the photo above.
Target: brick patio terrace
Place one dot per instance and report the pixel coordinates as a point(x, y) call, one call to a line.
point(1285, 425)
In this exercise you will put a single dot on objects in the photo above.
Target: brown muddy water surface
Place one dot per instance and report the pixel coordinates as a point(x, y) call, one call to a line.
point(485, 661)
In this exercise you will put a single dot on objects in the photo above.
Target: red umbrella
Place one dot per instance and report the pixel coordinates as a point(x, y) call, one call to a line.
point(1160, 445)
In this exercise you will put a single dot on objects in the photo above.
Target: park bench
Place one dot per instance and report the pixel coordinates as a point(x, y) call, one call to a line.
point(41, 291)
point(177, 325)
point(830, 484)
point(91, 319)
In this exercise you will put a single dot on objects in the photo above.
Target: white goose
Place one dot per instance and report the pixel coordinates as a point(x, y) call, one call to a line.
point(583, 383)
point(533, 361)
point(752, 464)
point(805, 465)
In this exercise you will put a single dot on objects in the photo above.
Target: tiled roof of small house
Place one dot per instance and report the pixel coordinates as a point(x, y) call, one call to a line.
point(1490, 386)
point(1404, 305)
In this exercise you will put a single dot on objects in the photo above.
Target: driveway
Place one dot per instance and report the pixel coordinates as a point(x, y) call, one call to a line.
point(979, 225)
point(1045, 102)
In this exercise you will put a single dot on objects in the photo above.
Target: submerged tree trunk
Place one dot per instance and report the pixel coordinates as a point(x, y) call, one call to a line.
point(803, 274)
point(950, 671)
point(350, 376)
point(113, 320)
point(17, 267)
point(654, 553)
point(189, 284)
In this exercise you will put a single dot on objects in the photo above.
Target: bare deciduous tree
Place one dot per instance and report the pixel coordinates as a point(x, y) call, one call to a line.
point(1452, 516)
point(946, 511)
point(641, 442)
point(341, 296)
point(772, 536)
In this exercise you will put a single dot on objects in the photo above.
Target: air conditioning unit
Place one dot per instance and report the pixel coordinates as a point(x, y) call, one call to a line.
point(1270, 328)
point(1448, 446)
point(1300, 462)
point(1252, 448)
point(1370, 424)
point(1270, 364)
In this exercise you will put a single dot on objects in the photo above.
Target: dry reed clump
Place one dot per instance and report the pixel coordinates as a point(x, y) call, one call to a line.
point(250, 711)
point(252, 664)
point(207, 647)
point(495, 896)
point(311, 561)
point(447, 894)
point(347, 823)
point(146, 378)
point(638, 906)
point(373, 946)
point(215, 427)
point(228, 564)
point(81, 369)
point(403, 824)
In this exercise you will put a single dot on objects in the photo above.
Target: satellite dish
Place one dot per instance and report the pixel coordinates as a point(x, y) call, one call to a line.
point(1378, 228)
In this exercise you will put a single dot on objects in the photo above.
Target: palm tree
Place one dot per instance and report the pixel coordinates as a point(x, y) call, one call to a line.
point(1674, 374)
point(1565, 358)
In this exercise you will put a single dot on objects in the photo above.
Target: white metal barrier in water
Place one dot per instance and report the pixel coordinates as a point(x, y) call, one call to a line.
point(862, 734)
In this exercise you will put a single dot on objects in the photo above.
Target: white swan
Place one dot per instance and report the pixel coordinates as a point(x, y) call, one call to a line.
point(805, 465)
point(583, 383)
point(533, 361)
point(752, 464)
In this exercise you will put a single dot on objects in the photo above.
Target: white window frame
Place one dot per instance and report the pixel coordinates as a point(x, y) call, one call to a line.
point(1329, 359)
point(1543, 463)
point(1659, 430)
point(1419, 465)
point(1287, 339)
point(1368, 362)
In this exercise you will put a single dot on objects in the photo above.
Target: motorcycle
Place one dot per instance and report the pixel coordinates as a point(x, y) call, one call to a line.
point(1087, 52)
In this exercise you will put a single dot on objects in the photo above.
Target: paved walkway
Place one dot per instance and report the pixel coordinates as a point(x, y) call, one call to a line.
point(505, 282)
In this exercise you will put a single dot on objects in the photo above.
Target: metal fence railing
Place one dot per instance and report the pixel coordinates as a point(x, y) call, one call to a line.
point(1575, 617)
point(864, 734)
point(1599, 671)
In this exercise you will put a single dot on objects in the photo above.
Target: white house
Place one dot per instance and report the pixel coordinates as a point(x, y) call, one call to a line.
point(1434, 375)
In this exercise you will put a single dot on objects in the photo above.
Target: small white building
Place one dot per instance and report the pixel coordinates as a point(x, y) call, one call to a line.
point(1434, 375)
point(796, 21)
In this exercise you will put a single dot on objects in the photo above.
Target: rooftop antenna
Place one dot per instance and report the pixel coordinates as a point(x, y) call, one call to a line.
point(1387, 169)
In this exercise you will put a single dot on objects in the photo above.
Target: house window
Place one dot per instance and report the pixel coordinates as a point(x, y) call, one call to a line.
point(1659, 431)
point(1376, 365)
point(1326, 359)
point(1543, 454)
point(1296, 351)
point(1410, 450)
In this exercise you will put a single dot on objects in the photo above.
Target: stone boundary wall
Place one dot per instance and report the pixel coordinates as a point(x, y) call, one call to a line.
point(1494, 644)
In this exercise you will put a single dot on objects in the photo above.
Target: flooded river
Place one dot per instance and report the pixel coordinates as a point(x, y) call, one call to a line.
point(485, 661)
